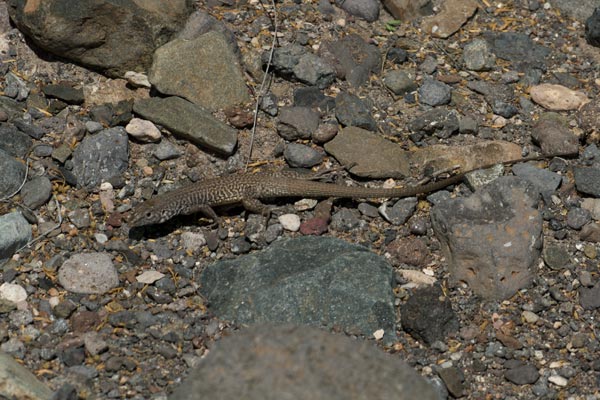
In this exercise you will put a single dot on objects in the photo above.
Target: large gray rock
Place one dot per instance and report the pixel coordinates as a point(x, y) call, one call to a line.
point(13, 141)
point(307, 280)
point(297, 363)
point(189, 121)
point(208, 73)
point(16, 382)
point(88, 273)
point(15, 232)
point(100, 157)
point(492, 239)
point(12, 174)
point(113, 36)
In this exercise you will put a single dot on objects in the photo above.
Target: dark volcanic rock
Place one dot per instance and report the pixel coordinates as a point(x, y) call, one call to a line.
point(307, 280)
point(592, 28)
point(428, 315)
point(114, 37)
point(518, 48)
point(14, 142)
point(350, 110)
point(100, 157)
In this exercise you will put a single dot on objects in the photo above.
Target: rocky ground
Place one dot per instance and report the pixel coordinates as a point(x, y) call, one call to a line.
point(486, 290)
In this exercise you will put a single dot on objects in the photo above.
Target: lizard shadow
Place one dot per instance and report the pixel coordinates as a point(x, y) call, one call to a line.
point(156, 231)
point(277, 206)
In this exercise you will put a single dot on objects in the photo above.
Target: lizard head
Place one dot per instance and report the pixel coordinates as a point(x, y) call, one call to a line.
point(147, 213)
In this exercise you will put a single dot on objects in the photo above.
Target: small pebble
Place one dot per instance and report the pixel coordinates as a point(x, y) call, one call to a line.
point(590, 251)
point(578, 217)
point(530, 317)
point(557, 97)
point(149, 277)
point(100, 238)
point(305, 204)
point(142, 130)
point(137, 79)
point(585, 278)
point(147, 171)
point(558, 380)
point(12, 292)
point(193, 241)
point(290, 222)
point(93, 126)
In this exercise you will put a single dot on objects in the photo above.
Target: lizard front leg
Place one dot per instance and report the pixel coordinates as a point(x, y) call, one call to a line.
point(256, 207)
point(207, 211)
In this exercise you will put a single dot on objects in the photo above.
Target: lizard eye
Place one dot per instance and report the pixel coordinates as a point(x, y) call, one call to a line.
point(148, 214)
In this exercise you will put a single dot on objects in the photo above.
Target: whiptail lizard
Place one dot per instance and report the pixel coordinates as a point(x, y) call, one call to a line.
point(248, 189)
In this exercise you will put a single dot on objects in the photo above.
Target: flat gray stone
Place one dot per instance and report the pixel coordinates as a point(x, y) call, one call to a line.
point(383, 159)
point(88, 273)
point(189, 121)
point(478, 56)
point(15, 232)
point(11, 107)
point(208, 73)
point(306, 280)
point(297, 363)
point(544, 180)
point(365, 9)
point(525, 374)
point(434, 93)
point(16, 382)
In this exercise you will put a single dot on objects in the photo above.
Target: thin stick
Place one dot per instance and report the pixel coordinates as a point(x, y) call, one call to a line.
point(261, 91)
